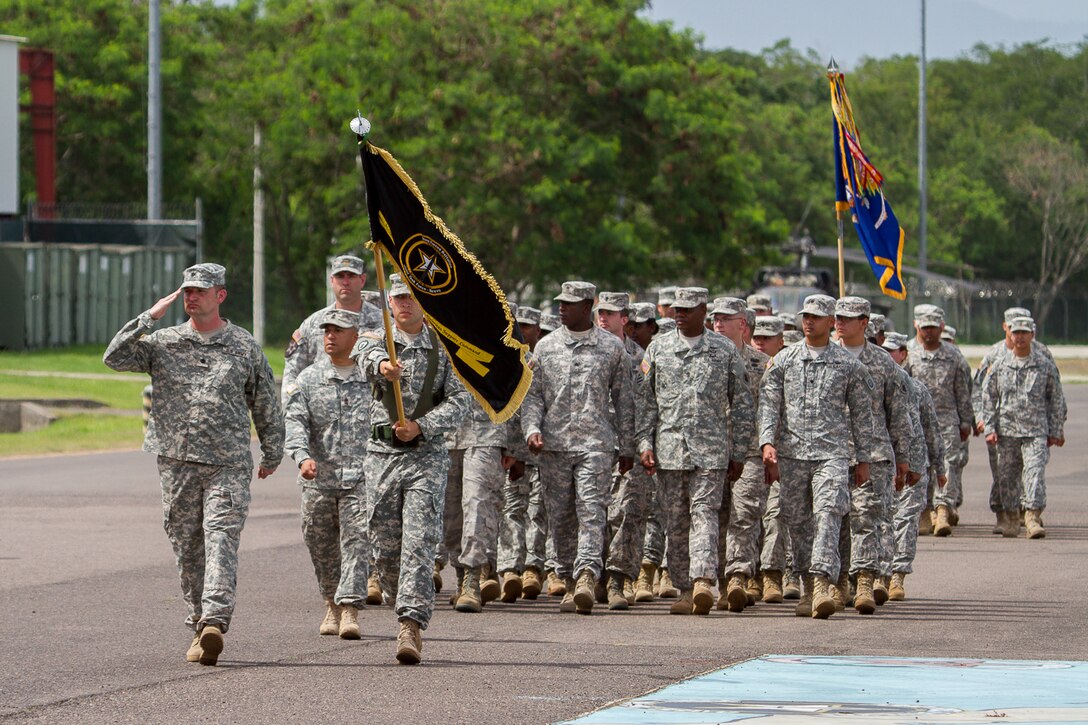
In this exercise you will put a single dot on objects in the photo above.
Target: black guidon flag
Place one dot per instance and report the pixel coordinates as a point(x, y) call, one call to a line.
point(463, 304)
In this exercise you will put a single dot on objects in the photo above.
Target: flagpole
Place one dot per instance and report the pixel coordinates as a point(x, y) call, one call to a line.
point(842, 266)
point(361, 128)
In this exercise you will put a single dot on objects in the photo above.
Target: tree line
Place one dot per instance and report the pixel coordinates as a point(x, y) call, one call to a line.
point(558, 138)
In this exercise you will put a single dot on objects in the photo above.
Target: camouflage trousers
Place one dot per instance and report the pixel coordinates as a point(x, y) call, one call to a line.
point(627, 520)
point(865, 538)
point(776, 554)
point(690, 502)
point(473, 505)
point(965, 456)
point(951, 492)
point(814, 499)
point(576, 490)
point(522, 527)
point(405, 495)
point(204, 508)
point(653, 541)
point(334, 529)
point(741, 521)
point(909, 502)
point(995, 486)
point(1022, 473)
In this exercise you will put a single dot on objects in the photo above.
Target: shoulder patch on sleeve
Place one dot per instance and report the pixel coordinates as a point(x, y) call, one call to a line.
point(372, 334)
point(645, 366)
point(293, 345)
point(290, 390)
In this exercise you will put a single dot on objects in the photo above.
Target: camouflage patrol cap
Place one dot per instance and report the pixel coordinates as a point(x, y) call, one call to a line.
point(894, 341)
point(728, 306)
point(819, 305)
point(665, 324)
point(689, 297)
point(643, 312)
point(339, 318)
point(750, 317)
point(768, 326)
point(948, 333)
point(613, 301)
point(373, 297)
point(527, 316)
point(347, 263)
point(666, 295)
point(1022, 324)
point(928, 316)
point(549, 322)
point(759, 302)
point(397, 287)
point(876, 324)
point(204, 276)
point(789, 320)
point(852, 307)
point(575, 291)
point(1013, 312)
point(792, 337)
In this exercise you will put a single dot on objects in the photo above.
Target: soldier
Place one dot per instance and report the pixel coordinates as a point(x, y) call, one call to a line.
point(1024, 415)
point(665, 298)
point(641, 324)
point(943, 370)
point(578, 371)
point(789, 321)
point(792, 337)
point(347, 277)
point(327, 421)
point(815, 401)
point(406, 465)
point(548, 323)
point(869, 532)
point(210, 377)
point(760, 304)
point(695, 429)
point(948, 334)
point(767, 335)
point(744, 501)
point(875, 332)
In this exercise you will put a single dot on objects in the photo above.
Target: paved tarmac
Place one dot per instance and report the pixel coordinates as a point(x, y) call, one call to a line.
point(92, 614)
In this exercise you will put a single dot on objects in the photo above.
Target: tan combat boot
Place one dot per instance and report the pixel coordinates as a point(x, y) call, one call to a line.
point(489, 585)
point(409, 642)
point(823, 606)
point(614, 590)
point(683, 605)
point(999, 523)
point(629, 590)
point(585, 592)
point(954, 516)
point(373, 589)
point(436, 578)
point(1012, 524)
point(600, 590)
point(804, 602)
point(667, 591)
point(702, 596)
point(791, 586)
point(566, 604)
point(772, 587)
point(736, 597)
point(349, 622)
point(557, 587)
point(754, 589)
point(194, 651)
point(470, 600)
point(880, 590)
point(1033, 522)
point(530, 583)
point(863, 597)
point(925, 522)
point(459, 572)
point(942, 526)
point(644, 585)
point(896, 591)
point(331, 623)
point(211, 644)
point(511, 587)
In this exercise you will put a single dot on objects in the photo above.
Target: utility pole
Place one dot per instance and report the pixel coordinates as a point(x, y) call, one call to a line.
point(154, 113)
point(258, 240)
point(923, 257)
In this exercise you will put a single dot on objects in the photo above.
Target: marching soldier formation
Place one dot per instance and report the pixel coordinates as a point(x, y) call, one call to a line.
point(716, 453)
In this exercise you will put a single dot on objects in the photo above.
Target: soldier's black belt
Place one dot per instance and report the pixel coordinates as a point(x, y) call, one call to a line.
point(385, 433)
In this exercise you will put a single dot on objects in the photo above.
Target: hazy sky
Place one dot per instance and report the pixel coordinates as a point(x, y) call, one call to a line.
point(877, 28)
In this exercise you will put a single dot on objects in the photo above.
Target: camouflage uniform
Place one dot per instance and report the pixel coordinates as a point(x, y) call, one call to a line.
point(910, 500)
point(1023, 403)
point(574, 380)
point(307, 343)
point(695, 414)
point(406, 486)
point(205, 393)
point(328, 420)
point(803, 412)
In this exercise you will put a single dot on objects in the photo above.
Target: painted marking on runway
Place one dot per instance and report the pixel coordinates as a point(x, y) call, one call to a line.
point(784, 689)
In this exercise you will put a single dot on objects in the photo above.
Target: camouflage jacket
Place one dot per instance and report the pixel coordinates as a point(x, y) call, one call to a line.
point(1024, 398)
point(477, 430)
point(574, 381)
point(892, 430)
point(945, 372)
point(441, 419)
point(328, 419)
point(205, 392)
point(998, 352)
point(812, 408)
point(930, 428)
point(695, 407)
point(307, 342)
